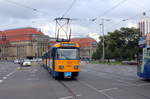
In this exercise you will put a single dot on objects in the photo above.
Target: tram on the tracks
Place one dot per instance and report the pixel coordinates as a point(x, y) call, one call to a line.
point(143, 68)
point(62, 60)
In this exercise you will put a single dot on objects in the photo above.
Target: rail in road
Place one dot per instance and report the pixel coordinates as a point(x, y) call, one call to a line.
point(73, 95)
point(89, 87)
point(36, 83)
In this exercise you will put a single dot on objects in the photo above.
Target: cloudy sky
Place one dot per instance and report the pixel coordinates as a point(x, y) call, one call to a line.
point(41, 13)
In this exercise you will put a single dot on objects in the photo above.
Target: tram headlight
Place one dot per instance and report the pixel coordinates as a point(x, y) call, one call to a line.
point(76, 67)
point(61, 67)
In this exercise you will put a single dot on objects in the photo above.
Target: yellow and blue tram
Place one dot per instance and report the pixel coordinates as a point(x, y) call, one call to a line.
point(62, 60)
point(143, 69)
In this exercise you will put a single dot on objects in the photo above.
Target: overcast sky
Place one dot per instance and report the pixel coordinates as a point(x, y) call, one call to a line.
point(20, 13)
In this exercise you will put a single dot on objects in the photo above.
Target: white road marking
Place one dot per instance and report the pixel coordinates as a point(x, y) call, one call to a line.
point(32, 75)
point(120, 84)
point(110, 97)
point(119, 79)
point(35, 70)
point(90, 86)
point(117, 76)
point(84, 70)
point(32, 78)
point(10, 74)
point(32, 72)
point(68, 97)
point(99, 91)
point(129, 83)
point(4, 78)
point(18, 68)
point(143, 84)
point(109, 89)
point(1, 81)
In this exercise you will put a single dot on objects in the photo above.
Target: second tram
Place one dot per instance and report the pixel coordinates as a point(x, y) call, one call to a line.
point(143, 69)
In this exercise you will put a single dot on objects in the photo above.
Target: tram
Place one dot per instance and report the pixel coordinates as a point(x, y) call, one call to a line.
point(143, 68)
point(62, 60)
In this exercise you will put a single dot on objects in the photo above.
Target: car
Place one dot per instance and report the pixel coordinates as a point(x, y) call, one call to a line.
point(16, 61)
point(26, 63)
point(21, 61)
point(37, 60)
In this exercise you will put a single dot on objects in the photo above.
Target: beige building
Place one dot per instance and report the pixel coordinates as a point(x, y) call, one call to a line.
point(22, 43)
point(87, 46)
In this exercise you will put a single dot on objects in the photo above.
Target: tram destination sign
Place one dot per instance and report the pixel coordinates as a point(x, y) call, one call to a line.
point(142, 42)
point(68, 44)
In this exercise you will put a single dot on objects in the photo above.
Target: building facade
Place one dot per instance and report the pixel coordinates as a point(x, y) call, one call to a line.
point(22, 43)
point(144, 25)
point(87, 46)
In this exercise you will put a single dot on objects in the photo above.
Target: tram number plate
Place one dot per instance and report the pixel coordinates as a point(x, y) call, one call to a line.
point(67, 74)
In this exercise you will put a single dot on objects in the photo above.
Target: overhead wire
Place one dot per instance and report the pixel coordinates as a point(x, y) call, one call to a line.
point(106, 12)
point(70, 7)
point(127, 19)
point(114, 7)
point(67, 22)
point(37, 10)
point(22, 5)
point(109, 10)
point(26, 6)
point(124, 20)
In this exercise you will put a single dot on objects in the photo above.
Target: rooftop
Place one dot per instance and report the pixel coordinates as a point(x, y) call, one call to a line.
point(84, 42)
point(20, 34)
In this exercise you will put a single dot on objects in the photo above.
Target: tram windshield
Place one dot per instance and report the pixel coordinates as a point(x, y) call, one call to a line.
point(67, 54)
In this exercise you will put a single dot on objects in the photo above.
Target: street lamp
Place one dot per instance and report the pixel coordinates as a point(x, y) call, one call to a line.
point(103, 30)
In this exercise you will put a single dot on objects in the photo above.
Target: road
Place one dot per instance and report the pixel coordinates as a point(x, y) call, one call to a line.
point(95, 82)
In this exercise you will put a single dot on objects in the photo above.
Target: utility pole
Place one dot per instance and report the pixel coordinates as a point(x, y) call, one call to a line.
point(102, 28)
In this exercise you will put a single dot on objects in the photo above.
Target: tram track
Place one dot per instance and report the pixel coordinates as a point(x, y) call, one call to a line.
point(97, 90)
point(69, 87)
point(103, 92)
point(115, 75)
point(73, 95)
point(85, 84)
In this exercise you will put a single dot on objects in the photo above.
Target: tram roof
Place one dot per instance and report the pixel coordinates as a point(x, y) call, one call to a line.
point(66, 44)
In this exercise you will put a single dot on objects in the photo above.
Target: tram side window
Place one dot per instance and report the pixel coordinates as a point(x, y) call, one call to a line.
point(48, 54)
point(148, 52)
point(44, 56)
point(53, 53)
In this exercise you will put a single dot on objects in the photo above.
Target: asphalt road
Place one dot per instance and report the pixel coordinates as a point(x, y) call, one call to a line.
point(94, 82)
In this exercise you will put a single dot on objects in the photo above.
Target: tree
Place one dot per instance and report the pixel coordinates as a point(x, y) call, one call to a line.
point(120, 45)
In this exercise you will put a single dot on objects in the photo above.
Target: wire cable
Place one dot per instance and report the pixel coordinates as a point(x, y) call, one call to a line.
point(25, 6)
point(70, 7)
point(130, 18)
point(114, 7)
point(109, 10)
point(19, 4)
